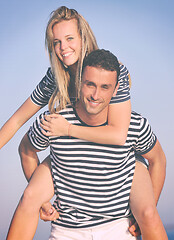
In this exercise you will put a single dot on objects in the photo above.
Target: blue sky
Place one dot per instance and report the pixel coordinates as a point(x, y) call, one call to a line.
point(139, 33)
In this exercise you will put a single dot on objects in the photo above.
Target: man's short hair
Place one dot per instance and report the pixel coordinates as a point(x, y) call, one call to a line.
point(103, 59)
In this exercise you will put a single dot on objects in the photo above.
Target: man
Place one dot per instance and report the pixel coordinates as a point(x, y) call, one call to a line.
point(92, 182)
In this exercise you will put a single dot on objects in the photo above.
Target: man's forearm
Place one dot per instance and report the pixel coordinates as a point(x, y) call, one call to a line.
point(29, 158)
point(157, 169)
point(157, 173)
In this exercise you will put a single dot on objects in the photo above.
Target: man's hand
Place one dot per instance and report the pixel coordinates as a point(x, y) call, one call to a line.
point(48, 212)
point(134, 228)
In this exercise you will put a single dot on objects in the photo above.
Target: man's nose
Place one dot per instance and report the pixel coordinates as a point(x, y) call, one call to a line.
point(95, 94)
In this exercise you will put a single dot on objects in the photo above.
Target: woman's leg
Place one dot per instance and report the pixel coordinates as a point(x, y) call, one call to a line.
point(143, 205)
point(39, 190)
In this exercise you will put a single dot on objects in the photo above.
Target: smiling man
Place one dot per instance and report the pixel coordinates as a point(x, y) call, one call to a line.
point(92, 182)
point(98, 87)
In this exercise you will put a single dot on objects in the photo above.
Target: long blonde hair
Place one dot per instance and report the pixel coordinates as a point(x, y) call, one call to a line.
point(60, 96)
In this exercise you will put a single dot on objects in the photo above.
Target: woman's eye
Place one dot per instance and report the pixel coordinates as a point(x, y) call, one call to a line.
point(70, 38)
point(90, 85)
point(56, 42)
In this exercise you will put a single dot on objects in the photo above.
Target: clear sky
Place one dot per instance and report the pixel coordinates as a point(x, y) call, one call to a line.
point(139, 33)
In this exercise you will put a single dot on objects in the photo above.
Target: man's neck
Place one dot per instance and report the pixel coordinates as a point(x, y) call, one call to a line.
point(90, 119)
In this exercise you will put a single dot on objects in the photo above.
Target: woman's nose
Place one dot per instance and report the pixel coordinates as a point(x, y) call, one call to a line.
point(63, 45)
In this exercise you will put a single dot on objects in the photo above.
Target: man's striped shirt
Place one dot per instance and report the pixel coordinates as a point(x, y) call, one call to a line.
point(92, 181)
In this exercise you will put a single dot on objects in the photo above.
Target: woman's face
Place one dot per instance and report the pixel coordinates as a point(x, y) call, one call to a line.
point(67, 41)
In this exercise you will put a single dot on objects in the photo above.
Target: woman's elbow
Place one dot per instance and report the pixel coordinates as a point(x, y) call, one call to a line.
point(24, 146)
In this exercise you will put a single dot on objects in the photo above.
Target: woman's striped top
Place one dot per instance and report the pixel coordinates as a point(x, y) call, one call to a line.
point(41, 95)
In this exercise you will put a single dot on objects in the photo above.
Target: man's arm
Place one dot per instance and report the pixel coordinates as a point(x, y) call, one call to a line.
point(157, 171)
point(149, 147)
point(29, 158)
point(157, 168)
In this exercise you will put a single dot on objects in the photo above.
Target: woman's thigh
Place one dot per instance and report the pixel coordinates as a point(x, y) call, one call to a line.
point(40, 187)
point(141, 195)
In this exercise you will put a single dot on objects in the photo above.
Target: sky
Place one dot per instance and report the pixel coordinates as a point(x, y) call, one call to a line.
point(139, 33)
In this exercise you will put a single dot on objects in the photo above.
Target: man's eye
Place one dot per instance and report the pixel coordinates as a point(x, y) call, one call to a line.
point(105, 87)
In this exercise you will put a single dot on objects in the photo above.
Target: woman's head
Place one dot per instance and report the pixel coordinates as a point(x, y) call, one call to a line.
point(64, 22)
point(67, 42)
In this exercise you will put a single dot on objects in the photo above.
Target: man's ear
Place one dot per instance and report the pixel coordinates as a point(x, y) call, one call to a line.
point(115, 90)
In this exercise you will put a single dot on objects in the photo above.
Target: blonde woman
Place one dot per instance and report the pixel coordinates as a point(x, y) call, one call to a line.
point(62, 82)
point(69, 39)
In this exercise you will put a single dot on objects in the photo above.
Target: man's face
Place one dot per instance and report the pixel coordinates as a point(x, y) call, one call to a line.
point(98, 87)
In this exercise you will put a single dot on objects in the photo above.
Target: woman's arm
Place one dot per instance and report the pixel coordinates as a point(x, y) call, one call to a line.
point(17, 120)
point(38, 99)
point(114, 133)
point(118, 119)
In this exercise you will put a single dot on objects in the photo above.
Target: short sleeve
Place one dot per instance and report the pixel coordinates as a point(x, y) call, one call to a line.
point(35, 135)
point(140, 159)
point(146, 138)
point(123, 93)
point(43, 91)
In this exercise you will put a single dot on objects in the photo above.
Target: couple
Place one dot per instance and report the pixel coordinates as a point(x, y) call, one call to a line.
point(94, 183)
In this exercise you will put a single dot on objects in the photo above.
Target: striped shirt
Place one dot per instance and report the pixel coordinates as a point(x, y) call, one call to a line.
point(41, 95)
point(92, 182)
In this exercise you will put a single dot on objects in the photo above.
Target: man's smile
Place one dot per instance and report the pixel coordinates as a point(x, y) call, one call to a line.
point(94, 103)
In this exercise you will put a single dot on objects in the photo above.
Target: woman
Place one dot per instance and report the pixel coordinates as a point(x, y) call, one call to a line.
point(69, 38)
point(57, 81)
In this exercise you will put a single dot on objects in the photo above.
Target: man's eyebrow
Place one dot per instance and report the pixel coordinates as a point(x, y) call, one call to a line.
point(88, 81)
point(106, 84)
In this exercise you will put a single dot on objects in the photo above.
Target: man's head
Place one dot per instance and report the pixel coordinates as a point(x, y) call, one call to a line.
point(103, 59)
point(99, 84)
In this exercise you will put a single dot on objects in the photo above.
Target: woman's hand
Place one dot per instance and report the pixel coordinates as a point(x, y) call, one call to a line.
point(55, 125)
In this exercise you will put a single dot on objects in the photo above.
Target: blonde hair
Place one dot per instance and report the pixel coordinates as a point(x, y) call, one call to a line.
point(60, 96)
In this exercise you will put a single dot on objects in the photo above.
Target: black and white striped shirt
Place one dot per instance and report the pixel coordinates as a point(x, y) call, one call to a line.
point(41, 95)
point(92, 181)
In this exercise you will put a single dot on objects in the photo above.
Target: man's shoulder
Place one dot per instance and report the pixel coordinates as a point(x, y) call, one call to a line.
point(69, 109)
point(139, 122)
point(137, 118)
point(135, 115)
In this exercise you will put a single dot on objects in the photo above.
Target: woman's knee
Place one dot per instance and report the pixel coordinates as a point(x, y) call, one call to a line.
point(149, 215)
